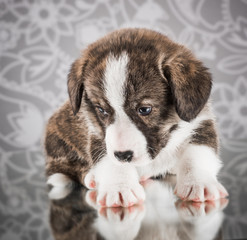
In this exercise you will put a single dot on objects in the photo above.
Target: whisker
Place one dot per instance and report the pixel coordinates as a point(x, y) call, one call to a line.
point(98, 154)
point(97, 151)
point(99, 157)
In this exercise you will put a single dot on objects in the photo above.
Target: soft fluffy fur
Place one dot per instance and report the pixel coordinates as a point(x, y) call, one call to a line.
point(108, 86)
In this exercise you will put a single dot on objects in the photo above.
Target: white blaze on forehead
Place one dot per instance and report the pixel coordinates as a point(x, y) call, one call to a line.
point(115, 78)
point(121, 135)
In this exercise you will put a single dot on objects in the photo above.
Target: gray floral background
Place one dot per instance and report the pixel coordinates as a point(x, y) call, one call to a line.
point(39, 39)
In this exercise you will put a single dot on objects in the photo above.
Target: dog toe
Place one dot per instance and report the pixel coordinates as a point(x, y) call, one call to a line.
point(89, 181)
point(113, 199)
point(118, 195)
point(200, 191)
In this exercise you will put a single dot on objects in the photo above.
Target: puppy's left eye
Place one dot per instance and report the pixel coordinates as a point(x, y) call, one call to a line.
point(144, 111)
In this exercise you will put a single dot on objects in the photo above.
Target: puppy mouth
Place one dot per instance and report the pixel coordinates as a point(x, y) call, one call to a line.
point(135, 161)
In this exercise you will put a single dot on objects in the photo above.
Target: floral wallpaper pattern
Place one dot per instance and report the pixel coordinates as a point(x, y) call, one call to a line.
point(39, 39)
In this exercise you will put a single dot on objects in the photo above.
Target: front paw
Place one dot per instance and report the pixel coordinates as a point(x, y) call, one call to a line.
point(115, 185)
point(199, 190)
point(116, 195)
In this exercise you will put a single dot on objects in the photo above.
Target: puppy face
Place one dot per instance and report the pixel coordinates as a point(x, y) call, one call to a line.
point(138, 84)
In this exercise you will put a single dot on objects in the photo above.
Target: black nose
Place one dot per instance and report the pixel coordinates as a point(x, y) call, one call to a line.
point(124, 156)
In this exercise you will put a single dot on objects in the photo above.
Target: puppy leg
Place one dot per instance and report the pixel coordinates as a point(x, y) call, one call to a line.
point(196, 177)
point(117, 185)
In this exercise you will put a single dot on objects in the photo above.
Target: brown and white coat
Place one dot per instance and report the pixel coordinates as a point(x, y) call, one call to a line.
point(138, 108)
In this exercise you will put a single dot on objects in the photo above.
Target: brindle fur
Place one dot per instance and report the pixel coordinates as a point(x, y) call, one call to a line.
point(206, 135)
point(167, 73)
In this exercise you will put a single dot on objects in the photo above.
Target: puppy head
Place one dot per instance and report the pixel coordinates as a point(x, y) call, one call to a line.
point(137, 84)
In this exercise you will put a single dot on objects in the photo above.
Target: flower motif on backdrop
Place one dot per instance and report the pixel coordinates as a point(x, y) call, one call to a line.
point(8, 36)
point(230, 106)
point(44, 20)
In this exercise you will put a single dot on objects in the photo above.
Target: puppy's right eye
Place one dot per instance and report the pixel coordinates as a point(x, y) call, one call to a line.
point(102, 111)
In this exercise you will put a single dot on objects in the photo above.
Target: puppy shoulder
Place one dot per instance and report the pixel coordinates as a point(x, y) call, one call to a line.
point(205, 132)
point(200, 130)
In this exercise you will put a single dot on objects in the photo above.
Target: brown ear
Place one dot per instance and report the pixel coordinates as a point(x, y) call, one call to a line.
point(190, 83)
point(75, 84)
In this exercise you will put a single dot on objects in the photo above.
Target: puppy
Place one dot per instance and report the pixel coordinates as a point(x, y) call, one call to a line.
point(138, 109)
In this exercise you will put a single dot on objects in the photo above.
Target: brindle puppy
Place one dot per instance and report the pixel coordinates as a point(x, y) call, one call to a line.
point(138, 108)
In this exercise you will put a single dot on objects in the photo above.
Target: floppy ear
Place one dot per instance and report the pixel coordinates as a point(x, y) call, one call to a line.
point(190, 83)
point(75, 84)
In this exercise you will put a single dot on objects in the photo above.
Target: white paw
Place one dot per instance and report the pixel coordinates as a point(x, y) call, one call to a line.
point(125, 195)
point(59, 180)
point(196, 190)
point(116, 195)
point(89, 180)
point(116, 185)
point(61, 186)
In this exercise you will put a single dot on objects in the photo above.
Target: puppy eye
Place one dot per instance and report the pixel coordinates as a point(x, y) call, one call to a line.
point(144, 111)
point(102, 111)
